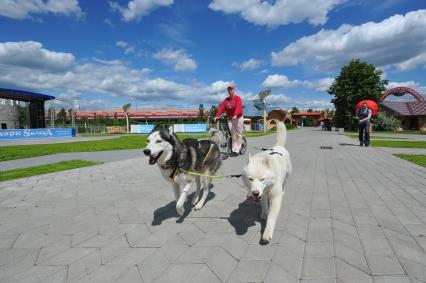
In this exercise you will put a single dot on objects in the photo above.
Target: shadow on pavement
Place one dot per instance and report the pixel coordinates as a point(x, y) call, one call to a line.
point(245, 216)
point(352, 144)
point(169, 210)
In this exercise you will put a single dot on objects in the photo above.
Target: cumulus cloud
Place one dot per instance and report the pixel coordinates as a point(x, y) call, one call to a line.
point(126, 47)
point(181, 61)
point(136, 9)
point(279, 12)
point(31, 54)
point(249, 65)
point(279, 81)
point(23, 9)
point(282, 81)
point(397, 41)
point(105, 78)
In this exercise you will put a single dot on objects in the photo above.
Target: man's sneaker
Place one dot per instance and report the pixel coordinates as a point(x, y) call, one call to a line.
point(233, 154)
point(361, 144)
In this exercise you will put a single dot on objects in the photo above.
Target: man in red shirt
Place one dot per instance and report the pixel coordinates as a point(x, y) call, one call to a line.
point(234, 113)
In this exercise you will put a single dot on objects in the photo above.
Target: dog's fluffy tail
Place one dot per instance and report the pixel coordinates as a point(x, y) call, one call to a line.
point(281, 134)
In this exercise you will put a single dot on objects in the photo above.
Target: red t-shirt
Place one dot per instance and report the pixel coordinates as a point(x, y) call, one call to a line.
point(233, 107)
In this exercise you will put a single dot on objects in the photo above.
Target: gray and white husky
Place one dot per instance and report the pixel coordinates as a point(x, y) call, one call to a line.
point(181, 161)
point(266, 175)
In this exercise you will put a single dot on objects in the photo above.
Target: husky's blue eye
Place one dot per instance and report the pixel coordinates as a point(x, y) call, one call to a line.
point(159, 141)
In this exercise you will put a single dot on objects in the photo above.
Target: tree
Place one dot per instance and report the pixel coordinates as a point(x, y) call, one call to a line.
point(213, 111)
point(357, 81)
point(62, 116)
point(200, 117)
point(294, 109)
point(310, 110)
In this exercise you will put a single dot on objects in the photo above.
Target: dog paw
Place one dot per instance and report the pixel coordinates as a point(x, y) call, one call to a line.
point(198, 206)
point(180, 210)
point(266, 238)
point(194, 201)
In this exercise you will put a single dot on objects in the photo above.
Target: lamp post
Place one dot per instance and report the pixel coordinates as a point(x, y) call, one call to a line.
point(262, 95)
point(125, 108)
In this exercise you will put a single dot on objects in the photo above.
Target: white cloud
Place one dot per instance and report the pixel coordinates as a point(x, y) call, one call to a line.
point(22, 9)
point(181, 61)
point(122, 44)
point(279, 81)
point(136, 9)
point(31, 54)
point(125, 45)
point(106, 78)
point(399, 41)
point(249, 65)
point(279, 12)
point(282, 81)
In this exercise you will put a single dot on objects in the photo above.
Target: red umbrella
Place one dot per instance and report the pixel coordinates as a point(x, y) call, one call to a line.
point(370, 104)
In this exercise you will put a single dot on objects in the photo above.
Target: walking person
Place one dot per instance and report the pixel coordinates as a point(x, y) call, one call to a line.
point(233, 106)
point(364, 115)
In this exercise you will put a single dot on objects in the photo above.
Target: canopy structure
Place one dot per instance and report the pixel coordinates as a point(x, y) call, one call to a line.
point(35, 102)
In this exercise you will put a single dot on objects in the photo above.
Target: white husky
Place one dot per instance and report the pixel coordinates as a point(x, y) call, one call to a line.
point(266, 175)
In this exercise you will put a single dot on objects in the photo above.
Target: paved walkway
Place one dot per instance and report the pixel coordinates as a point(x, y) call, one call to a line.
point(350, 214)
point(57, 140)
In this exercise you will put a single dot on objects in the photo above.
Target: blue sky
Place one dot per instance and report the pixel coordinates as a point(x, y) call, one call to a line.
point(180, 53)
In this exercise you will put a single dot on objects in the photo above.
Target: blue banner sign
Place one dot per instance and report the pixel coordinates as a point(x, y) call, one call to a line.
point(21, 134)
point(146, 129)
point(190, 128)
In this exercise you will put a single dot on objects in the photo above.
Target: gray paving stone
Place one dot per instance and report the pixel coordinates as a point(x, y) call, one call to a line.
point(382, 264)
point(318, 267)
point(322, 249)
point(179, 273)
point(204, 275)
point(151, 267)
point(249, 271)
point(391, 279)
point(222, 264)
point(376, 246)
point(121, 214)
point(132, 276)
point(276, 274)
point(350, 274)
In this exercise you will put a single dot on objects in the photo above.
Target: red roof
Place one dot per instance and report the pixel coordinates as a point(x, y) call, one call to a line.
point(306, 114)
point(412, 108)
point(142, 113)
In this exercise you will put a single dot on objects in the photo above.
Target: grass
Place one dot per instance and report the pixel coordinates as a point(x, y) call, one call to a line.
point(355, 136)
point(399, 144)
point(121, 143)
point(417, 159)
point(393, 132)
point(44, 169)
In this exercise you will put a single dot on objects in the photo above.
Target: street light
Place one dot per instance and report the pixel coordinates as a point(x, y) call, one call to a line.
point(125, 108)
point(262, 95)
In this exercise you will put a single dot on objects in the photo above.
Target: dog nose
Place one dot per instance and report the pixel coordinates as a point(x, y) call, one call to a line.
point(147, 151)
point(255, 193)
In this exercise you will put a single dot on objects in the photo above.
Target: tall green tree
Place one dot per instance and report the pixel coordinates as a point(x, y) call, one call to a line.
point(357, 81)
point(62, 116)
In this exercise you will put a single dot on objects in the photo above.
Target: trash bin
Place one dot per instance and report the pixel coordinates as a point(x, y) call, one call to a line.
point(341, 131)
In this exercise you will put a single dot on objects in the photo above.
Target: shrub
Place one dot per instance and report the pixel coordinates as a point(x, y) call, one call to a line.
point(384, 122)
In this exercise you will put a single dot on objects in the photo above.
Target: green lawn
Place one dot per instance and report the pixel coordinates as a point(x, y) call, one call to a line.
point(393, 133)
point(355, 136)
point(44, 169)
point(417, 159)
point(400, 144)
point(121, 143)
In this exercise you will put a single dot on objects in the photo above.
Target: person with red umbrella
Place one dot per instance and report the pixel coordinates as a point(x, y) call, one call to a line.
point(363, 115)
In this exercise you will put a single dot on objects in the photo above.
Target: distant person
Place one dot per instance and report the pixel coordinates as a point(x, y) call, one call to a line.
point(322, 125)
point(233, 106)
point(364, 115)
